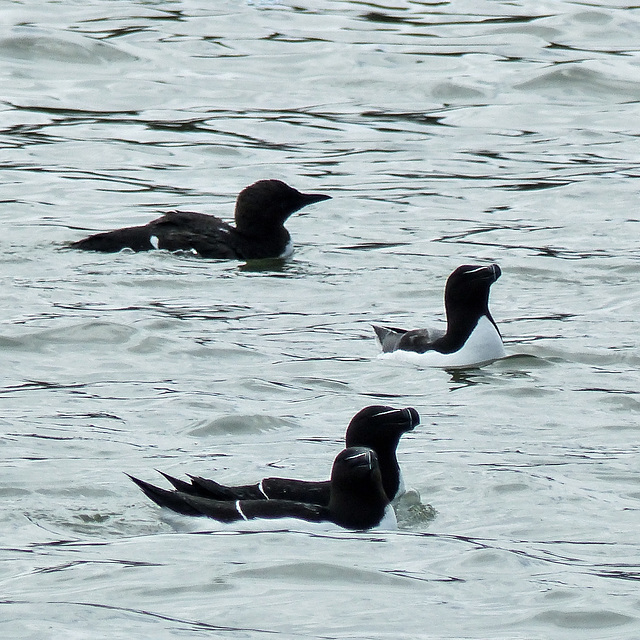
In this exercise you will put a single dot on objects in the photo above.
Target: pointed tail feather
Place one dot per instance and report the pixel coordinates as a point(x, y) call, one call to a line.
point(182, 486)
point(388, 337)
point(171, 499)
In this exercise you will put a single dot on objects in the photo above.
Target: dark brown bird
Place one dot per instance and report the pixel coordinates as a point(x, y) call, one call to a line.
point(261, 211)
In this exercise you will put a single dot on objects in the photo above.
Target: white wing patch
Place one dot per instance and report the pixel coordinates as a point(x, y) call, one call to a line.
point(154, 241)
point(262, 491)
point(239, 510)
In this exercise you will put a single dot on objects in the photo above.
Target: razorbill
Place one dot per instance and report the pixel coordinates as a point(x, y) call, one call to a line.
point(471, 338)
point(357, 499)
point(375, 427)
point(261, 211)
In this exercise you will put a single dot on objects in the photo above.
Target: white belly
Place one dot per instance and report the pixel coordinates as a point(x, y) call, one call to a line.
point(483, 346)
point(202, 524)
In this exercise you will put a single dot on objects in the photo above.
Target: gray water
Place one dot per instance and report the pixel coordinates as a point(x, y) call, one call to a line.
point(447, 133)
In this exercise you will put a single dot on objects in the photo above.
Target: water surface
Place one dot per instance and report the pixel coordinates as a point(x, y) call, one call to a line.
point(447, 133)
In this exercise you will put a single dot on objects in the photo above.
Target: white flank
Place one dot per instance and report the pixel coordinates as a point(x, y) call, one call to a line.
point(483, 346)
point(288, 251)
point(155, 243)
point(402, 488)
point(388, 522)
point(202, 524)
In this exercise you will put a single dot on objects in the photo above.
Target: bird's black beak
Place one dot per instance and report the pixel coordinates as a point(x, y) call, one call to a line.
point(312, 198)
point(413, 417)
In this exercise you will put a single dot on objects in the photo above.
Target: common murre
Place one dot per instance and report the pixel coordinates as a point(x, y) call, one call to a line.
point(260, 213)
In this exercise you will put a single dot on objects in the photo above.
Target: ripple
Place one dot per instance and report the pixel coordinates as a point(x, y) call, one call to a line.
point(580, 79)
point(584, 620)
point(92, 332)
point(241, 424)
point(35, 45)
point(313, 572)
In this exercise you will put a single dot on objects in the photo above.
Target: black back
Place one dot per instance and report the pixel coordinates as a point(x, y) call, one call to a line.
point(376, 427)
point(357, 501)
point(261, 211)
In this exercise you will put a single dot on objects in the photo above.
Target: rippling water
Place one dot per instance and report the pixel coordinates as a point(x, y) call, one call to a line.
point(447, 133)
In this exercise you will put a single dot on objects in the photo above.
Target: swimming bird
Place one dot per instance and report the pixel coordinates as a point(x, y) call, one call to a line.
point(471, 338)
point(357, 499)
point(261, 211)
point(376, 427)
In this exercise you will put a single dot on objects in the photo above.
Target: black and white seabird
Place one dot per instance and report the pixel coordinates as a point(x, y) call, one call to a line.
point(376, 427)
point(261, 211)
point(471, 338)
point(357, 499)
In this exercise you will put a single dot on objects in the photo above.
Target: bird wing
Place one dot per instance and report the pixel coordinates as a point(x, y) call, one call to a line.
point(207, 235)
point(297, 490)
point(418, 340)
point(231, 510)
